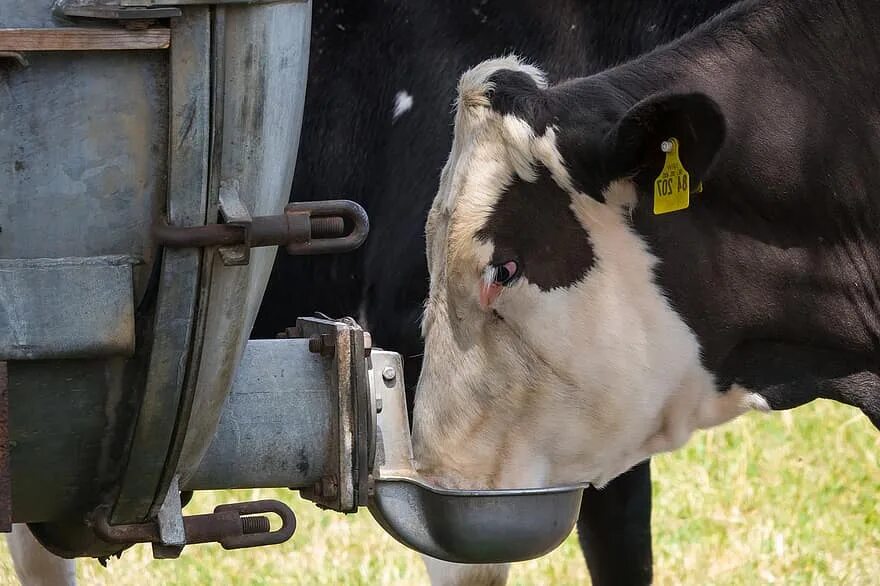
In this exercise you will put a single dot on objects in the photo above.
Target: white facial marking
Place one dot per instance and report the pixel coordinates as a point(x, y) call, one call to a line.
point(403, 103)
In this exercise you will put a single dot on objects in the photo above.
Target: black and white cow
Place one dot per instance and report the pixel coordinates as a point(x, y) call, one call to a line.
point(577, 324)
point(378, 128)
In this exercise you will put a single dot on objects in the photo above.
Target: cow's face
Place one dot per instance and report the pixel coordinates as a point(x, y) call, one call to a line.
point(551, 355)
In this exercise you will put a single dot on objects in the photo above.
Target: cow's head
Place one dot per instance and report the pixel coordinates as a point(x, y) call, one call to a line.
point(551, 355)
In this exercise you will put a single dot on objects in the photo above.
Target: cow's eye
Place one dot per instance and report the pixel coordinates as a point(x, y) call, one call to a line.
point(506, 272)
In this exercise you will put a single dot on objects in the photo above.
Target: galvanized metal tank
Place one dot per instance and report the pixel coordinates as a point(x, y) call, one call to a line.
point(116, 116)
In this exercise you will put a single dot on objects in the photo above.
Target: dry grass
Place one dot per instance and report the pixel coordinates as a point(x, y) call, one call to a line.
point(787, 498)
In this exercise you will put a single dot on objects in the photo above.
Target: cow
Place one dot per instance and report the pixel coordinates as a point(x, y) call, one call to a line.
point(377, 128)
point(622, 258)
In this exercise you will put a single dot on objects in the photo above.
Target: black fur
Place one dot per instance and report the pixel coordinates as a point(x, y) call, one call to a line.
point(533, 224)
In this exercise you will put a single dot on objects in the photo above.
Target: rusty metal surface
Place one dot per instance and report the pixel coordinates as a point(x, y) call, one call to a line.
point(324, 223)
point(319, 227)
point(234, 526)
point(93, 318)
point(198, 236)
point(5, 469)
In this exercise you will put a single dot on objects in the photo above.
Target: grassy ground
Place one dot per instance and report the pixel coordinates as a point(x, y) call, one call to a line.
point(785, 498)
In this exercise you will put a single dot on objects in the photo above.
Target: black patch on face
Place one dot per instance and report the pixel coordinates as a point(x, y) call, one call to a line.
point(533, 224)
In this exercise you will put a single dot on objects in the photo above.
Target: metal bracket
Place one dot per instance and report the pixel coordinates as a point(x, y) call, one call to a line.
point(234, 213)
point(344, 341)
point(170, 522)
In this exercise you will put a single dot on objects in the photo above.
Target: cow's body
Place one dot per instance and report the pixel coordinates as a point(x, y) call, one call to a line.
point(588, 333)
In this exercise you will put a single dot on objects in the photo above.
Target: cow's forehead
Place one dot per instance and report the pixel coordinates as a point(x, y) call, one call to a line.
point(505, 192)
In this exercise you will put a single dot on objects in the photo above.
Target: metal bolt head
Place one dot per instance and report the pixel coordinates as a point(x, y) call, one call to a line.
point(389, 374)
point(322, 344)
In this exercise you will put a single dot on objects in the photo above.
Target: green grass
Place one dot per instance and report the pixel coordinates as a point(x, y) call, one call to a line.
point(786, 498)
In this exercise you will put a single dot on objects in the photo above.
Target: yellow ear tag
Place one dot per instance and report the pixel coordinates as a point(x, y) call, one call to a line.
point(672, 187)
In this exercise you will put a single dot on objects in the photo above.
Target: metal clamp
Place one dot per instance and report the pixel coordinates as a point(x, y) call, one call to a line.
point(317, 227)
point(234, 526)
point(343, 342)
point(327, 221)
point(234, 213)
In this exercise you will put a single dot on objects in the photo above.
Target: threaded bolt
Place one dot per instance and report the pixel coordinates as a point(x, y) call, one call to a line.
point(327, 226)
point(254, 524)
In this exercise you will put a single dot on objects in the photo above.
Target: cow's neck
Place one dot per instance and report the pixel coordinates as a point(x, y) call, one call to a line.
point(776, 265)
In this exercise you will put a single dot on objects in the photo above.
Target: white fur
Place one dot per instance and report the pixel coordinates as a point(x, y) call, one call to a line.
point(403, 103)
point(34, 565)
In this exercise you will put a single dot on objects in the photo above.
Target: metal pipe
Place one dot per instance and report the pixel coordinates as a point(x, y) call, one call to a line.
point(279, 424)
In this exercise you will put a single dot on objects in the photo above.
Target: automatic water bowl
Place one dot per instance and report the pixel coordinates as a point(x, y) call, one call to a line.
point(463, 526)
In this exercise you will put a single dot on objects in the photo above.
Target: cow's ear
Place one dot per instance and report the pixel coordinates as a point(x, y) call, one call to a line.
point(635, 144)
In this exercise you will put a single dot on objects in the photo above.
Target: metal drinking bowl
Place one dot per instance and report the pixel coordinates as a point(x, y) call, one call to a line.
point(475, 526)
point(464, 526)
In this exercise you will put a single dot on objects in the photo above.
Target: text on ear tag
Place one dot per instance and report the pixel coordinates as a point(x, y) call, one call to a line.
point(672, 186)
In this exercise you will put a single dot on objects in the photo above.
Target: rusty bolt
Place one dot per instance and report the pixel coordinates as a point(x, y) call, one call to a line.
point(322, 344)
point(389, 374)
point(254, 524)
